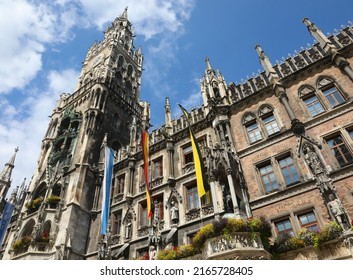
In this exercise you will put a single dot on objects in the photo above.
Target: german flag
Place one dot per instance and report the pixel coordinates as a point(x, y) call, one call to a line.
point(202, 183)
point(145, 148)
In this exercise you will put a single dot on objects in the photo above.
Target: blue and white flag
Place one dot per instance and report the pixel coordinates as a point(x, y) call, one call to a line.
point(107, 182)
point(5, 220)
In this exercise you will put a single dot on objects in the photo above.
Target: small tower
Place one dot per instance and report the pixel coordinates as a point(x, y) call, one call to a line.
point(5, 180)
point(213, 87)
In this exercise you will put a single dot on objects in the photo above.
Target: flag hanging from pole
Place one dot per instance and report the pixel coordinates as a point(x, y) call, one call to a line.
point(202, 183)
point(145, 151)
point(107, 182)
point(5, 220)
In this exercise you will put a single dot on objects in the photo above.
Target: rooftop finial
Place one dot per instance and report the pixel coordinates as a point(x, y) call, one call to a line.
point(325, 43)
point(265, 62)
point(124, 15)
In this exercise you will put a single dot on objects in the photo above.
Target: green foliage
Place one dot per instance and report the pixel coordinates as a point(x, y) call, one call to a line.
point(35, 203)
point(225, 227)
point(201, 236)
point(306, 238)
point(21, 244)
point(168, 254)
point(53, 199)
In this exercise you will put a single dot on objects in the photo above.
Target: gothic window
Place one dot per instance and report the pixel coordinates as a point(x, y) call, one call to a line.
point(192, 197)
point(252, 128)
point(143, 214)
point(116, 222)
point(120, 184)
point(311, 100)
point(158, 206)
point(313, 104)
point(157, 168)
point(120, 61)
point(308, 221)
point(269, 120)
point(268, 177)
point(130, 70)
point(331, 92)
point(284, 228)
point(288, 170)
point(340, 150)
point(188, 156)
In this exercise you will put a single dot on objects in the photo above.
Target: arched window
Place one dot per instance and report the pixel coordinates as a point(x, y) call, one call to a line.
point(311, 100)
point(252, 128)
point(328, 88)
point(268, 118)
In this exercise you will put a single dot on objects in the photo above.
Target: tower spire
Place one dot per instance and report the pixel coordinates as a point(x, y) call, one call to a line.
point(266, 64)
point(325, 43)
point(5, 175)
point(124, 14)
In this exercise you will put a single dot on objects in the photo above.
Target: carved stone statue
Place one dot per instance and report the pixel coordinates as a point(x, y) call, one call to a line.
point(153, 253)
point(128, 230)
point(337, 210)
point(174, 212)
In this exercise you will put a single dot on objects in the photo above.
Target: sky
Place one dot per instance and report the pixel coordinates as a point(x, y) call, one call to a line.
point(43, 45)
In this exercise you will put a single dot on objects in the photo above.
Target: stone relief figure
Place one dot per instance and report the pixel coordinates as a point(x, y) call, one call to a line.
point(128, 229)
point(174, 212)
point(317, 168)
point(153, 253)
point(337, 210)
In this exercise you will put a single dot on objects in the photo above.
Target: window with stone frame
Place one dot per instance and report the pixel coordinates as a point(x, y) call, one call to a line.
point(284, 228)
point(120, 184)
point(340, 149)
point(288, 169)
point(192, 197)
point(142, 254)
point(252, 128)
point(157, 169)
point(142, 174)
point(311, 100)
point(267, 116)
point(116, 222)
point(143, 216)
point(331, 92)
point(308, 220)
point(188, 156)
point(268, 177)
point(350, 132)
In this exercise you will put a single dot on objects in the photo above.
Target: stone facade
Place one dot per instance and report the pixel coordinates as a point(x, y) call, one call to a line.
point(278, 146)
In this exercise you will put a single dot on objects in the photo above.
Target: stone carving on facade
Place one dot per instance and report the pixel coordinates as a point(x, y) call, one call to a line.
point(316, 166)
point(337, 210)
point(174, 212)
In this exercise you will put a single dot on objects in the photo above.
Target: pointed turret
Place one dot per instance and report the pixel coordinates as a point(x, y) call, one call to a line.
point(325, 43)
point(5, 175)
point(168, 116)
point(266, 64)
point(340, 61)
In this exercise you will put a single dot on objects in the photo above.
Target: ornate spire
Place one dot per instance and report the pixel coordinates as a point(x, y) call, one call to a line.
point(325, 43)
point(6, 173)
point(124, 14)
point(209, 68)
point(168, 114)
point(265, 62)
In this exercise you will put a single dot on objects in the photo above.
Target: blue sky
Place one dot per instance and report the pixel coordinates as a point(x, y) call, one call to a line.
point(43, 44)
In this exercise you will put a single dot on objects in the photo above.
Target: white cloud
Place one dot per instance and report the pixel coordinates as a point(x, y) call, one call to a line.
point(26, 29)
point(28, 122)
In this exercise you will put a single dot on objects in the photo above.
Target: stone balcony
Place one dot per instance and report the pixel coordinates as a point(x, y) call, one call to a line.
point(239, 246)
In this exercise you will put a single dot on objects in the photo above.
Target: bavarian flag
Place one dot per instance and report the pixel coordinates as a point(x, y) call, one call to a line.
point(107, 182)
point(145, 151)
point(202, 183)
